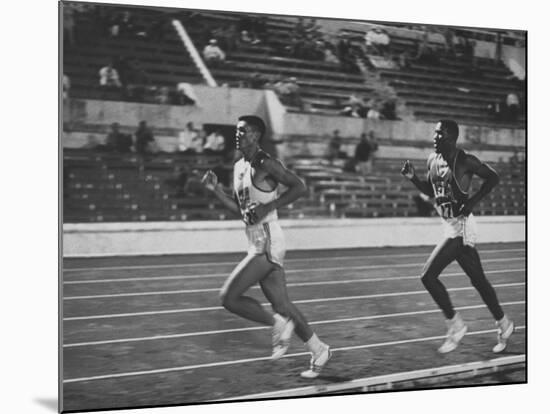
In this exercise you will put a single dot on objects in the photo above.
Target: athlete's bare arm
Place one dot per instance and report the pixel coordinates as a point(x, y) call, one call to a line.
point(296, 187)
point(486, 173)
point(210, 182)
point(423, 185)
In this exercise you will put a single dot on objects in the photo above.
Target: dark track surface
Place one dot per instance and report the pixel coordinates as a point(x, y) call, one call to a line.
point(146, 330)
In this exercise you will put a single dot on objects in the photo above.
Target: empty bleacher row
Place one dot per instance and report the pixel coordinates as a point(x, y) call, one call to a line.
point(107, 187)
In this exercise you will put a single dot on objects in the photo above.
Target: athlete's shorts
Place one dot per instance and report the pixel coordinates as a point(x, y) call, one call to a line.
point(464, 227)
point(267, 238)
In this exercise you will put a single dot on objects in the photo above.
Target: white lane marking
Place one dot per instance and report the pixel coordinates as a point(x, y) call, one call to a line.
point(216, 308)
point(300, 284)
point(248, 360)
point(201, 264)
point(256, 328)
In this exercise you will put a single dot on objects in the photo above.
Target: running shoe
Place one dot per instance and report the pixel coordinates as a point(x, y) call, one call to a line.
point(317, 363)
point(281, 338)
point(456, 331)
point(504, 332)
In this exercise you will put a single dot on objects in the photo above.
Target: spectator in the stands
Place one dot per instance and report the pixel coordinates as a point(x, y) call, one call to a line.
point(145, 141)
point(334, 145)
point(512, 107)
point(215, 142)
point(495, 109)
point(422, 46)
point(117, 141)
point(345, 53)
point(329, 56)
point(449, 36)
point(255, 81)
point(354, 107)
point(212, 53)
point(377, 42)
point(163, 95)
point(190, 140)
point(122, 25)
point(374, 110)
point(312, 28)
point(362, 156)
point(66, 87)
point(300, 28)
point(288, 91)
point(108, 77)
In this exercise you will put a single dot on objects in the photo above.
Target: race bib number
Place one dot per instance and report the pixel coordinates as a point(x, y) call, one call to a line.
point(446, 210)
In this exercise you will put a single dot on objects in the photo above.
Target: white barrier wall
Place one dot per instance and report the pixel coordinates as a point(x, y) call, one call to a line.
point(118, 239)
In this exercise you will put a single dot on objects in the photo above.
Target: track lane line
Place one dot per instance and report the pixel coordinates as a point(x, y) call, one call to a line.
point(287, 272)
point(303, 301)
point(249, 360)
point(294, 284)
point(256, 328)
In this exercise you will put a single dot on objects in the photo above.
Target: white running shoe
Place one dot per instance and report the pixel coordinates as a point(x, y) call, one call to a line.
point(317, 363)
point(281, 339)
point(456, 331)
point(504, 332)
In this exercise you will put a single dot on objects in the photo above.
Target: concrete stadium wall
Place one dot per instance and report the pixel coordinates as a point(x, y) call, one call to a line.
point(119, 239)
point(225, 105)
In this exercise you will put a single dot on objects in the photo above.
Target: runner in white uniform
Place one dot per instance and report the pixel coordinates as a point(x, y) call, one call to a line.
point(450, 173)
point(256, 177)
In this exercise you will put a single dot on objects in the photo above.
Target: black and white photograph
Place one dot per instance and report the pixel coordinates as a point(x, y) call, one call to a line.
point(265, 206)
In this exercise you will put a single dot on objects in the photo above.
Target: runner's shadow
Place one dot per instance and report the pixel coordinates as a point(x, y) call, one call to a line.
point(49, 403)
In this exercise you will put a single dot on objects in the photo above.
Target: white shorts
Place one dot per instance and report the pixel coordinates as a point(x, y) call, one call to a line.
point(268, 239)
point(464, 227)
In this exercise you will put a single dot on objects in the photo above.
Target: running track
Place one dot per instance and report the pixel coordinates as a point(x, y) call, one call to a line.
point(148, 331)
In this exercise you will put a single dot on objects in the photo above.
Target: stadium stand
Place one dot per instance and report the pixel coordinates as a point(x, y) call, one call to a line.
point(101, 186)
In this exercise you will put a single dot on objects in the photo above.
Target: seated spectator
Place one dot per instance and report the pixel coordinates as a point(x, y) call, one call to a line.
point(512, 107)
point(108, 77)
point(289, 92)
point(333, 150)
point(189, 140)
point(122, 25)
point(162, 95)
point(373, 112)
point(145, 142)
point(329, 56)
point(212, 53)
point(377, 41)
point(256, 81)
point(449, 36)
point(117, 141)
point(66, 87)
point(354, 107)
point(495, 110)
point(215, 142)
point(363, 163)
point(388, 110)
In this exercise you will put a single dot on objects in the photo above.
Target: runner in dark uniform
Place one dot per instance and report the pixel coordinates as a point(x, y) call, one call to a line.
point(450, 172)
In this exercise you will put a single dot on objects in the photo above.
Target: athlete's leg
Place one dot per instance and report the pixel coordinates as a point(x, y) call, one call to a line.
point(444, 253)
point(274, 288)
point(470, 262)
point(248, 272)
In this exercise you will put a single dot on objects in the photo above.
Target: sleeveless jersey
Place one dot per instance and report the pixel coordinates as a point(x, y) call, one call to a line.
point(448, 195)
point(247, 193)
